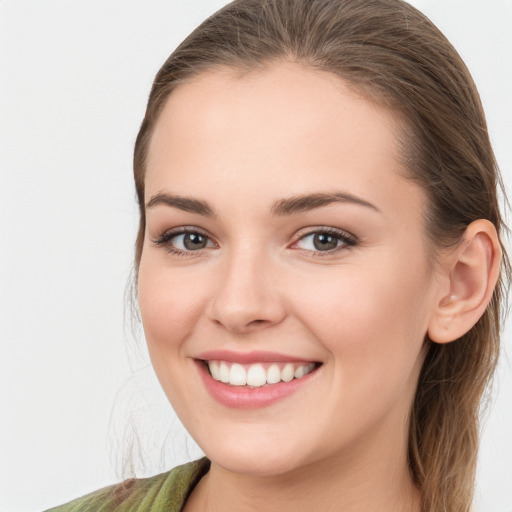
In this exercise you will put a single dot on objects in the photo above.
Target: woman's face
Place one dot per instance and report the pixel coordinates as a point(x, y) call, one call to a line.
point(282, 239)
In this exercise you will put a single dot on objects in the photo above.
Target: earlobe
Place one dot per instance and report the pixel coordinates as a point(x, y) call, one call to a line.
point(471, 272)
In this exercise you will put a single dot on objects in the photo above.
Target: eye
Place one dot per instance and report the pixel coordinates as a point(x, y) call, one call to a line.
point(184, 241)
point(325, 240)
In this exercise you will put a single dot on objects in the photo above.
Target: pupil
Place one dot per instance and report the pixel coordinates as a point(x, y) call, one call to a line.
point(325, 242)
point(193, 241)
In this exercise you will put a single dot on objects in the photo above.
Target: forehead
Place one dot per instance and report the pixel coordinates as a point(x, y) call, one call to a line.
point(283, 99)
point(285, 129)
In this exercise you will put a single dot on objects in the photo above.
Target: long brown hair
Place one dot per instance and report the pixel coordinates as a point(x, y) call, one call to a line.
point(393, 55)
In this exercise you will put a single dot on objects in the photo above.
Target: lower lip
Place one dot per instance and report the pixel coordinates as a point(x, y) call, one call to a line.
point(241, 397)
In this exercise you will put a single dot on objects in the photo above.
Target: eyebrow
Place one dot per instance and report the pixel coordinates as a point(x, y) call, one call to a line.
point(304, 203)
point(186, 204)
point(282, 207)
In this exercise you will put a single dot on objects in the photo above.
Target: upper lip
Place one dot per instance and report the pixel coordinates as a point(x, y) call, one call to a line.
point(256, 356)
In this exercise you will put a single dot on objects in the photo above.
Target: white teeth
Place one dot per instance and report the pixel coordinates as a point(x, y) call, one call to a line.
point(255, 375)
point(215, 370)
point(288, 373)
point(299, 372)
point(223, 372)
point(273, 374)
point(237, 375)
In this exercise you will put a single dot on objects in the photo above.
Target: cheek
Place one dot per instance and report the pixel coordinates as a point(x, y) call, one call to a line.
point(169, 306)
point(371, 319)
point(373, 328)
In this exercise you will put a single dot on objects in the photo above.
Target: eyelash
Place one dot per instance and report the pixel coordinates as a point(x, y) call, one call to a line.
point(164, 240)
point(347, 240)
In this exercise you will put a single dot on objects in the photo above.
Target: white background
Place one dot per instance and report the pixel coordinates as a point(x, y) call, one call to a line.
point(74, 78)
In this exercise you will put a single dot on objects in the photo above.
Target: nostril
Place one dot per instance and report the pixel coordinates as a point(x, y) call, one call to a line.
point(257, 322)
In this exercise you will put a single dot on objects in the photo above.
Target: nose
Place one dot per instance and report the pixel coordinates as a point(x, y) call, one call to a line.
point(247, 297)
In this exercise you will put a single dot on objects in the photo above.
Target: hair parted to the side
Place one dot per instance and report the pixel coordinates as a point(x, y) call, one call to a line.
point(393, 55)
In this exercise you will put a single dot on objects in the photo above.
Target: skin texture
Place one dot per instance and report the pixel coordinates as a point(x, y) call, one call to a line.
point(241, 144)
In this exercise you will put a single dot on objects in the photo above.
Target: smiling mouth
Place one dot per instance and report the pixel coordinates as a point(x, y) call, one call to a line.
point(258, 374)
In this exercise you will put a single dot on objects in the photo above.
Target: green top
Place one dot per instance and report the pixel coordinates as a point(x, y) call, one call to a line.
point(166, 492)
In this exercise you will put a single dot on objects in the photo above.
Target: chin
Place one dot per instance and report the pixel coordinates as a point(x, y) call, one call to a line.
point(261, 459)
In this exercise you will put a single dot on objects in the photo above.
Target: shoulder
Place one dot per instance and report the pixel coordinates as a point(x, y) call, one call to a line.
point(164, 492)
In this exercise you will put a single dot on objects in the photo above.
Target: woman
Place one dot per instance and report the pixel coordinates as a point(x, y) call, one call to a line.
point(318, 261)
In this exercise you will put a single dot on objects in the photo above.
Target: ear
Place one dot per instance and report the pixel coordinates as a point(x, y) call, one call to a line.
point(468, 277)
